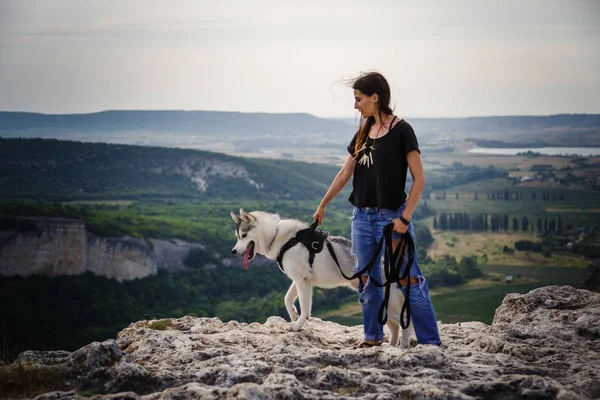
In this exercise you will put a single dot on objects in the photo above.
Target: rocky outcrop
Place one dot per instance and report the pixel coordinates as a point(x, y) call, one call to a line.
point(50, 246)
point(62, 246)
point(122, 258)
point(541, 345)
point(201, 171)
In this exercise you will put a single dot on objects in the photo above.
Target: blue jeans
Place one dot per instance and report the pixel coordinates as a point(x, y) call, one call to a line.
point(367, 230)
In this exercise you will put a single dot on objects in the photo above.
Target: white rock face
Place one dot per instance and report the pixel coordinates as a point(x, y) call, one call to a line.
point(200, 169)
point(542, 345)
point(62, 246)
point(58, 246)
point(123, 258)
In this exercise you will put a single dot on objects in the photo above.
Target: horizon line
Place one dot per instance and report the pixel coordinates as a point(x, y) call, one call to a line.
point(294, 113)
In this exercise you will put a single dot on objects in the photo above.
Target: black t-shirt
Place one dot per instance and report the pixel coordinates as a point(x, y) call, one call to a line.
point(380, 174)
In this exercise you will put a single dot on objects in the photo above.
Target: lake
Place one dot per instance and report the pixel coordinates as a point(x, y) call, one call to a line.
point(551, 151)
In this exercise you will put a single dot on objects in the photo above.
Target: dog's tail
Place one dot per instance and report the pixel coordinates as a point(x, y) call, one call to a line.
point(343, 242)
point(343, 252)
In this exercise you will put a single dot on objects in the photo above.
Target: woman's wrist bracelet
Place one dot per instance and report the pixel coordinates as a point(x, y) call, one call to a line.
point(404, 221)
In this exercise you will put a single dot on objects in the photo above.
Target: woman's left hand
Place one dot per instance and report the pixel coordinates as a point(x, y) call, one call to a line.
point(399, 227)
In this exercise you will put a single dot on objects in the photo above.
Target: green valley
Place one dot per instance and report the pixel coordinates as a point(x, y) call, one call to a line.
point(120, 190)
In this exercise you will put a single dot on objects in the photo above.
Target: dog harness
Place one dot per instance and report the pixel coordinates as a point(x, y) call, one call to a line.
point(312, 239)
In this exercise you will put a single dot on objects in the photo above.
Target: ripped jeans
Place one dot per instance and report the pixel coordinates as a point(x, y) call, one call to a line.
point(367, 230)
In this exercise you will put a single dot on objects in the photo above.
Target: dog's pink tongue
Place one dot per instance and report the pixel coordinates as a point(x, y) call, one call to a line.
point(246, 257)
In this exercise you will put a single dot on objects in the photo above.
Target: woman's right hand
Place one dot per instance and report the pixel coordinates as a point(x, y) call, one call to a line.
point(319, 215)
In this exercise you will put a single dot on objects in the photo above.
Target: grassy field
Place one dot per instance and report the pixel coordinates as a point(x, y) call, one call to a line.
point(100, 202)
point(550, 275)
point(475, 304)
point(524, 163)
point(577, 209)
point(478, 300)
point(476, 160)
point(487, 247)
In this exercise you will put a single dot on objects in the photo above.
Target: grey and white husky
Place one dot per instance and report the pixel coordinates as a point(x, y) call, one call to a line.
point(265, 233)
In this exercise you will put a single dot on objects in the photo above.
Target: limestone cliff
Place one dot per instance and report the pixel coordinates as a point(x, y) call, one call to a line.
point(541, 345)
point(60, 246)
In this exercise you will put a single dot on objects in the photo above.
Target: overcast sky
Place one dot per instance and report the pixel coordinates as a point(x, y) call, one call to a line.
point(442, 58)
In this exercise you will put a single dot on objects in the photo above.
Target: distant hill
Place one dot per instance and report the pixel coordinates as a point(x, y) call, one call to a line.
point(210, 122)
point(52, 170)
point(247, 132)
point(552, 130)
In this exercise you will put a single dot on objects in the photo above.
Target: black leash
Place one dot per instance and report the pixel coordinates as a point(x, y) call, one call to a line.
point(392, 263)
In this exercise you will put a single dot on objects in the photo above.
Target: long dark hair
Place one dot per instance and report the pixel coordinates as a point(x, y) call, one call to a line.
point(369, 83)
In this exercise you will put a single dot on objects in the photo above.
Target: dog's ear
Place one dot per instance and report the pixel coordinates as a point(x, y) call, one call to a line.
point(235, 218)
point(247, 218)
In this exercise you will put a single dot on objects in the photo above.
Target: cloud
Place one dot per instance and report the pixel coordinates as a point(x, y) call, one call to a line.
point(441, 57)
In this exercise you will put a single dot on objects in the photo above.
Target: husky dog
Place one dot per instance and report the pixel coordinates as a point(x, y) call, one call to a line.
point(264, 233)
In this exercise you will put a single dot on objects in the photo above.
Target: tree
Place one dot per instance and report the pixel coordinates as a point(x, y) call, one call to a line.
point(481, 222)
point(468, 268)
point(515, 224)
point(443, 221)
point(559, 223)
point(524, 224)
point(443, 277)
point(496, 223)
point(539, 225)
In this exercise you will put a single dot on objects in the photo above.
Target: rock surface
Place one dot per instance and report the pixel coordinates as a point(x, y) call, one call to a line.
point(62, 246)
point(541, 345)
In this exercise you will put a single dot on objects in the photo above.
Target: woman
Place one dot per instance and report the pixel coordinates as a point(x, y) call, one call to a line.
point(381, 152)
